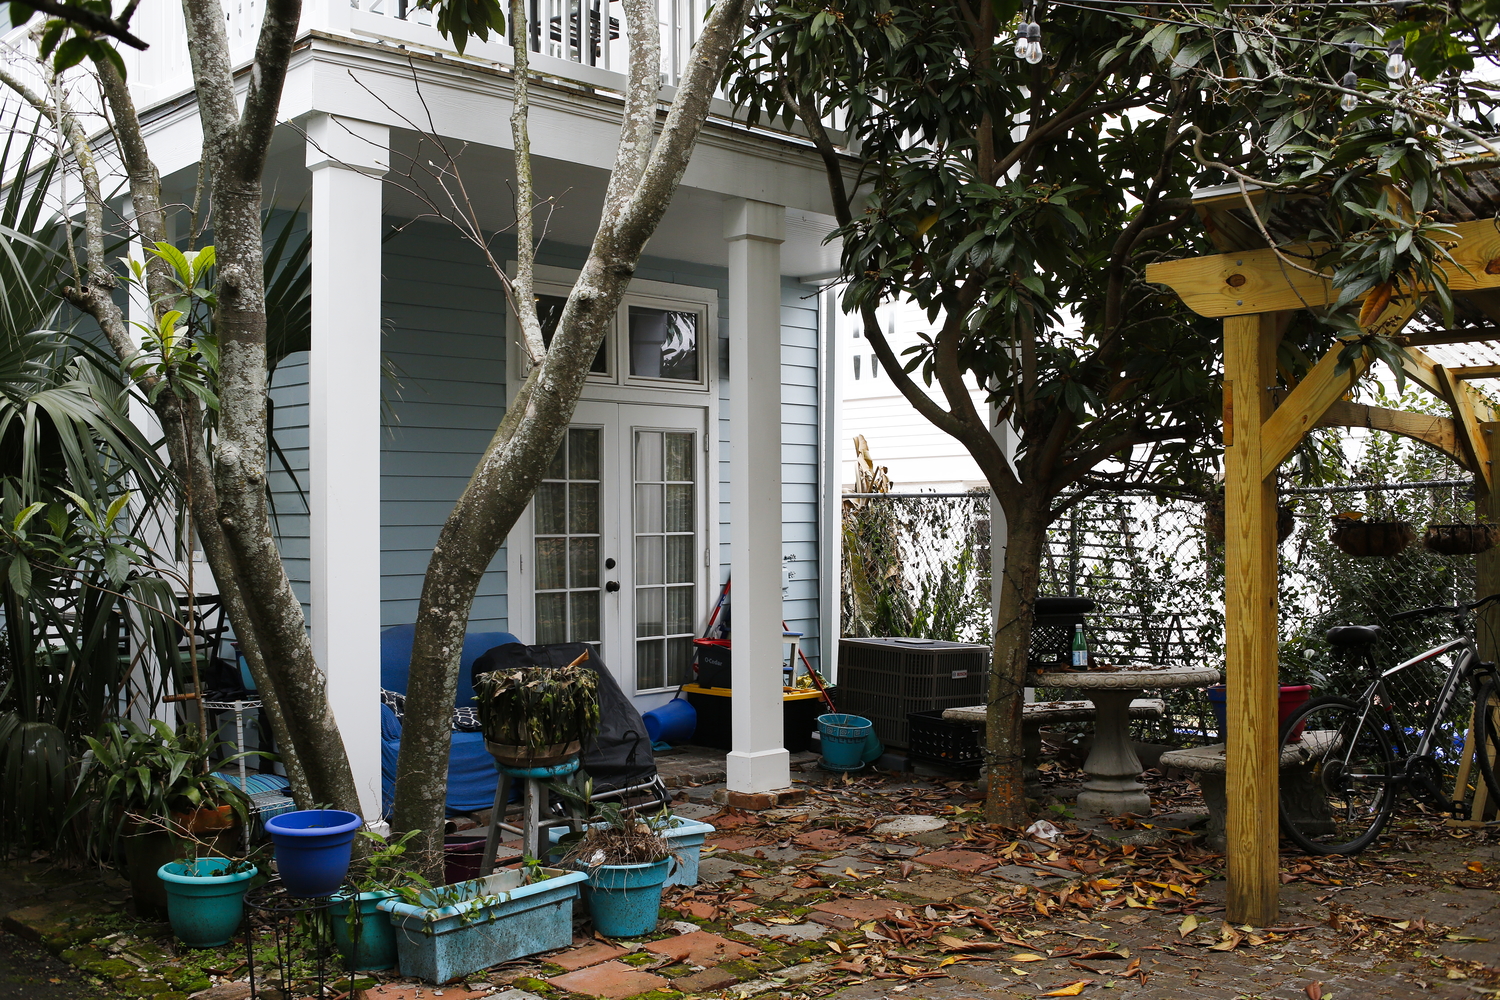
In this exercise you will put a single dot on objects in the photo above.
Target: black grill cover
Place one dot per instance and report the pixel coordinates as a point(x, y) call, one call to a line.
point(621, 754)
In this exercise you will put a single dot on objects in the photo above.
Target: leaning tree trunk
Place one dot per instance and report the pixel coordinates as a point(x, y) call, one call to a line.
point(1026, 537)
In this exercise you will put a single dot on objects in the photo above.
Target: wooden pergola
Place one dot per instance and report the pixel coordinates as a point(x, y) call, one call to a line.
point(1256, 291)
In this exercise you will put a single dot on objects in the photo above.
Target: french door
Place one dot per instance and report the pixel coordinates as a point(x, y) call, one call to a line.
point(615, 549)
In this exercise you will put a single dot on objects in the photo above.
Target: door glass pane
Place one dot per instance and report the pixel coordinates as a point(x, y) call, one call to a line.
point(648, 664)
point(666, 550)
point(565, 525)
point(663, 343)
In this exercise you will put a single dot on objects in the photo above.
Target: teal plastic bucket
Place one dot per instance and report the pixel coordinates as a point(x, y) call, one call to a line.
point(366, 939)
point(204, 905)
point(625, 900)
point(674, 722)
point(844, 738)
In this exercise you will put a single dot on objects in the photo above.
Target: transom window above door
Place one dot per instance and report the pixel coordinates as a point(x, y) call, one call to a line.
point(663, 337)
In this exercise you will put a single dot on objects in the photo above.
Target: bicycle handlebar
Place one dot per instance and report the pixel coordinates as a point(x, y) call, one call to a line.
point(1443, 609)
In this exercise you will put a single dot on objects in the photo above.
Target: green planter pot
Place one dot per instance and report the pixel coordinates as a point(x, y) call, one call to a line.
point(205, 905)
point(367, 940)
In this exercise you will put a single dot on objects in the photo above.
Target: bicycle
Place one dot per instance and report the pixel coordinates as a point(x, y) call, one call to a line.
point(1345, 761)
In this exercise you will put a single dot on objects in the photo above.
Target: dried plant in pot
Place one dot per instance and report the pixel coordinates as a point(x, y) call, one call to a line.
point(1460, 539)
point(1359, 537)
point(537, 716)
point(628, 862)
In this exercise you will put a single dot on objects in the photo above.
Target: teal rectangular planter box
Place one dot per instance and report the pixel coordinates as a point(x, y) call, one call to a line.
point(686, 837)
point(473, 925)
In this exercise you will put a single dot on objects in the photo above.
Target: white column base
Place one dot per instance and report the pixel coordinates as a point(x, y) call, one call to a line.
point(758, 771)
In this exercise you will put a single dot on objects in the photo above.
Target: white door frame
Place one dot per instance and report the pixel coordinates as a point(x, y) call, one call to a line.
point(630, 396)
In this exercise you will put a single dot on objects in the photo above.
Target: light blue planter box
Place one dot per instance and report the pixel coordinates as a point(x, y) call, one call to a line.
point(472, 925)
point(686, 837)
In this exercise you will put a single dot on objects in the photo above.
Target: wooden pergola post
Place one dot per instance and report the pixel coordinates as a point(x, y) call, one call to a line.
point(1255, 293)
point(1250, 620)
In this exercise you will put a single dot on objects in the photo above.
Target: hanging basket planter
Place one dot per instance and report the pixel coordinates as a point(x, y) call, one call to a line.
point(1213, 522)
point(1371, 538)
point(1461, 539)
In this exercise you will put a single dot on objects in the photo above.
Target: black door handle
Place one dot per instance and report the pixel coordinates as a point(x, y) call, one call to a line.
point(611, 586)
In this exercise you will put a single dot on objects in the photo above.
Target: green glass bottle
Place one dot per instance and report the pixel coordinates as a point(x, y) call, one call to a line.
point(1080, 648)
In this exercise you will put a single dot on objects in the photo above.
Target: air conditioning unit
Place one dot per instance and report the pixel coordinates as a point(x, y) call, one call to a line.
point(884, 679)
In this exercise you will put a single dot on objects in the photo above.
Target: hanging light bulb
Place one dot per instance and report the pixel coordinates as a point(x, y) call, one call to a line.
point(1350, 82)
point(1023, 45)
point(1033, 43)
point(1395, 66)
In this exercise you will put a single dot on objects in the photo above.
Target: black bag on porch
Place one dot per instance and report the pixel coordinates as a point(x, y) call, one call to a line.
point(620, 757)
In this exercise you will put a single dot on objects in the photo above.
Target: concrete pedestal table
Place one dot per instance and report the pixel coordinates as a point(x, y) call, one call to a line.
point(1113, 767)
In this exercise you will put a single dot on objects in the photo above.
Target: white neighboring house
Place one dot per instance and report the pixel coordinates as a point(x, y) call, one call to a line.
point(920, 457)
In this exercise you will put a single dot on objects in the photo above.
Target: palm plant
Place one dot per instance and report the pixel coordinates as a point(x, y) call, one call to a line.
point(73, 580)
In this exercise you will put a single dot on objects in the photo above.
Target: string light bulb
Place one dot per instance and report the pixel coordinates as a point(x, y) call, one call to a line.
point(1395, 65)
point(1023, 43)
point(1033, 43)
point(1350, 81)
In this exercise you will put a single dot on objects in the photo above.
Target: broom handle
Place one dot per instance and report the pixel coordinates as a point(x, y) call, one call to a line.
point(817, 681)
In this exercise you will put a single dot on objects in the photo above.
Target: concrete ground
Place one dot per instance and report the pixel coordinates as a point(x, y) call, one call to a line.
point(888, 886)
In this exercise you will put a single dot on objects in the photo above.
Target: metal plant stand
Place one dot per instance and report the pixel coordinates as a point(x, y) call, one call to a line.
point(281, 913)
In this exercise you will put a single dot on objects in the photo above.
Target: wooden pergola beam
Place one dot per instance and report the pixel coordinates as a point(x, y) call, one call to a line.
point(1305, 405)
point(1438, 432)
point(1475, 371)
point(1264, 281)
point(1467, 422)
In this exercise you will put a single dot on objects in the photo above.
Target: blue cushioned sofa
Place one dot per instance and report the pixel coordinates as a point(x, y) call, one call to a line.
point(471, 770)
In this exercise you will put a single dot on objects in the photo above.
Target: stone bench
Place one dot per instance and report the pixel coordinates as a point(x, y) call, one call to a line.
point(1299, 787)
point(1036, 714)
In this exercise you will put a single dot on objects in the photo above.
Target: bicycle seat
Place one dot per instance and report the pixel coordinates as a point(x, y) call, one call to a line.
point(1353, 635)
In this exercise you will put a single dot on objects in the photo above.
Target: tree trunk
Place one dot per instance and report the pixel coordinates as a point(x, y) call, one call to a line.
point(1025, 540)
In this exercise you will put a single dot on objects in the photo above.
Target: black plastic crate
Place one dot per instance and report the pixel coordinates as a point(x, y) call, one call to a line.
point(942, 741)
point(1054, 621)
point(885, 679)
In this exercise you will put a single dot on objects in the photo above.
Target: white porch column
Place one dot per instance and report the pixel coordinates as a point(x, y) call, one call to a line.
point(755, 230)
point(347, 159)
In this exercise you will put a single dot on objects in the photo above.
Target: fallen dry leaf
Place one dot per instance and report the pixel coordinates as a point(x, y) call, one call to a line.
point(1188, 925)
point(1070, 990)
point(1314, 990)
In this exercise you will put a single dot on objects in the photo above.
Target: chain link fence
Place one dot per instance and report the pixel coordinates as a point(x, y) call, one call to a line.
point(918, 565)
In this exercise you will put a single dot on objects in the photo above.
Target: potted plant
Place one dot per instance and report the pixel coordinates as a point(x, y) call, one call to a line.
point(538, 716)
point(363, 931)
point(206, 897)
point(1359, 537)
point(1460, 539)
point(453, 930)
point(628, 862)
point(154, 790)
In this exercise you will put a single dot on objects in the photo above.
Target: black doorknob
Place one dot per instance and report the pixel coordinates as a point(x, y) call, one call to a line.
point(611, 586)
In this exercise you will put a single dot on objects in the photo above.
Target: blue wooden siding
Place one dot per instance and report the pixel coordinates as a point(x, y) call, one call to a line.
point(443, 324)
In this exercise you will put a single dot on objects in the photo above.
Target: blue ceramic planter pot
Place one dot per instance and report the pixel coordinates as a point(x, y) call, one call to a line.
point(204, 905)
point(368, 941)
point(312, 849)
point(625, 900)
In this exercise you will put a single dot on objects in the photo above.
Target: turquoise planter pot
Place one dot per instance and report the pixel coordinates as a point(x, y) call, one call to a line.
point(205, 905)
point(368, 942)
point(625, 900)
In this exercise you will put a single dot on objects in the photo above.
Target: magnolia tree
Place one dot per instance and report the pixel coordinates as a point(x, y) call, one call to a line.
point(214, 374)
point(1013, 169)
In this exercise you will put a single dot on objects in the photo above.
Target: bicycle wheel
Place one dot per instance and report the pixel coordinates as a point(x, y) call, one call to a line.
point(1337, 772)
point(1487, 736)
